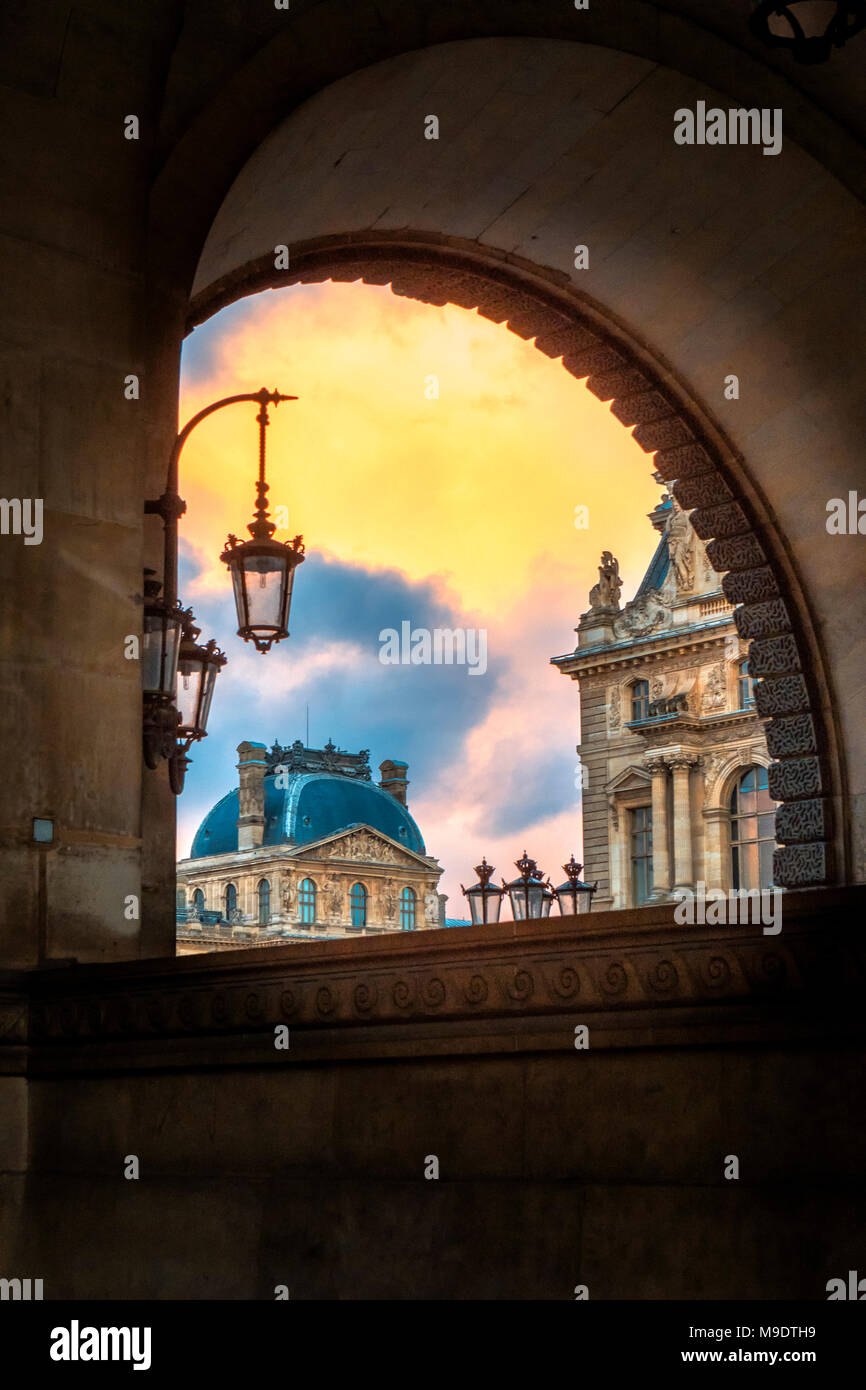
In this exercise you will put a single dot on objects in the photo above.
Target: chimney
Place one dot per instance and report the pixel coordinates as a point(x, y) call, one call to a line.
point(394, 779)
point(252, 763)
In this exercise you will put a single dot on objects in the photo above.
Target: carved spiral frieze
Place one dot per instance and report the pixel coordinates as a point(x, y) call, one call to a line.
point(770, 968)
point(326, 1000)
point(402, 994)
point(365, 997)
point(663, 978)
point(716, 974)
point(476, 991)
point(566, 982)
point(433, 992)
point(288, 1003)
point(614, 980)
point(522, 986)
point(253, 1007)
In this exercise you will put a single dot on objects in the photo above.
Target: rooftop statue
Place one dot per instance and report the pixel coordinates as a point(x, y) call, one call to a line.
point(605, 594)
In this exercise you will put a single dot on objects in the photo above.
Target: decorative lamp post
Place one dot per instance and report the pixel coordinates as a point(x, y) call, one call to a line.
point(485, 899)
point(263, 569)
point(530, 895)
point(178, 674)
point(808, 29)
point(574, 896)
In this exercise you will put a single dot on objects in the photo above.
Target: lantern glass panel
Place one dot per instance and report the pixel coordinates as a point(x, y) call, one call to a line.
point(264, 578)
point(160, 646)
point(584, 901)
point(567, 897)
point(210, 675)
point(190, 672)
point(481, 898)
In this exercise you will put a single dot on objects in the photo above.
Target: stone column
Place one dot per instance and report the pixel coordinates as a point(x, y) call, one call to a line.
point(661, 859)
point(716, 873)
point(684, 876)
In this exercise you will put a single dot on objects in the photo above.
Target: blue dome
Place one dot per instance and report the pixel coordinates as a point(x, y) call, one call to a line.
point(313, 805)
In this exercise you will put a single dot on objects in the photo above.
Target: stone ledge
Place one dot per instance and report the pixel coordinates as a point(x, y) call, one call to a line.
point(474, 988)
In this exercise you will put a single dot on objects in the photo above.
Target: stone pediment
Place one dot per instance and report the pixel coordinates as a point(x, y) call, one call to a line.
point(362, 845)
point(631, 779)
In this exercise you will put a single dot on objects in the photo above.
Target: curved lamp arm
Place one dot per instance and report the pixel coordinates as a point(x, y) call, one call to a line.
point(170, 506)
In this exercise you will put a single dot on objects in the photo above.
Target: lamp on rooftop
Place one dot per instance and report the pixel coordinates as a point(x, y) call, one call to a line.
point(574, 896)
point(485, 899)
point(530, 895)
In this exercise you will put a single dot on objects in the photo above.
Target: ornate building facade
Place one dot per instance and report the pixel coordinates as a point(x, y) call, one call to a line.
point(308, 847)
point(673, 756)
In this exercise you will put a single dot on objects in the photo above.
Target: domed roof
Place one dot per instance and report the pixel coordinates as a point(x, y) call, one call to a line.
point(311, 806)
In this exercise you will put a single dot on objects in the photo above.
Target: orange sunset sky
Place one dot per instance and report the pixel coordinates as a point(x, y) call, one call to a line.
point(449, 511)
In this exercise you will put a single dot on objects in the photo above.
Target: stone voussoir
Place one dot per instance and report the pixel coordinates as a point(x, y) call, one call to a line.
point(800, 866)
point(642, 408)
point(625, 381)
point(750, 586)
point(704, 490)
point(663, 434)
point(684, 461)
point(796, 779)
point(726, 519)
point(781, 695)
point(799, 822)
point(736, 553)
point(766, 620)
point(791, 736)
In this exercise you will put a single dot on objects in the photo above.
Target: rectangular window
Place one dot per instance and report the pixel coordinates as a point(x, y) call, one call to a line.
point(641, 854)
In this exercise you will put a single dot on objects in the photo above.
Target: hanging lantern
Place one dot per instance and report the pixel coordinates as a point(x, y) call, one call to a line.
point(163, 626)
point(262, 569)
point(485, 899)
point(808, 29)
point(197, 670)
point(161, 635)
point(530, 895)
point(574, 896)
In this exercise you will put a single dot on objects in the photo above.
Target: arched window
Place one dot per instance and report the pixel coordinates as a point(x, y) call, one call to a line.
point(358, 905)
point(198, 900)
point(640, 700)
point(264, 891)
point(408, 902)
point(753, 831)
point(307, 901)
point(745, 692)
point(231, 900)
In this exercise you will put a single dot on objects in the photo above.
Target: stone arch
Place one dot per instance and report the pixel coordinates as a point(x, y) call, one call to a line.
point(707, 476)
point(717, 795)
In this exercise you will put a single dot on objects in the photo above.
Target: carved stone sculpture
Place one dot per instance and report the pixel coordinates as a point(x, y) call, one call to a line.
point(680, 538)
point(605, 594)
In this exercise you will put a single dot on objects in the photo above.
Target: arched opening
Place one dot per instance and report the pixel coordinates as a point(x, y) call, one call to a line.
point(358, 906)
point(705, 474)
point(264, 902)
point(408, 906)
point(307, 902)
point(752, 831)
point(230, 901)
